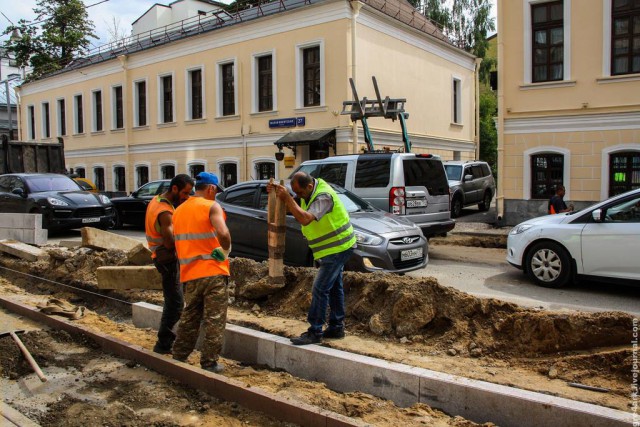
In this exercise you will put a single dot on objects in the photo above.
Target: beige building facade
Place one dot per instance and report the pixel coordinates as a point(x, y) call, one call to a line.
point(219, 97)
point(569, 102)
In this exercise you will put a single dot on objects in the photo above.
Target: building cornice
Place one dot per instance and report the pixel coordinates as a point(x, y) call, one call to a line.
point(585, 122)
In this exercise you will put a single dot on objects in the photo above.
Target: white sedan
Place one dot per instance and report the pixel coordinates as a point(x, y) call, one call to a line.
point(600, 241)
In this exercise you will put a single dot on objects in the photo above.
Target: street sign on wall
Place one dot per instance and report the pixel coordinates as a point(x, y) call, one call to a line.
point(287, 123)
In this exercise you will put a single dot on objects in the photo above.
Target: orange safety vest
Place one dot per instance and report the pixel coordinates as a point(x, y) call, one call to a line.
point(195, 239)
point(156, 206)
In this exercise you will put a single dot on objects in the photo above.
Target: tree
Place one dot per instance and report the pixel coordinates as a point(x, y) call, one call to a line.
point(64, 33)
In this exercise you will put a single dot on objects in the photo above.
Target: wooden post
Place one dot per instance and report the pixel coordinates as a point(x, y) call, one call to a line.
point(276, 215)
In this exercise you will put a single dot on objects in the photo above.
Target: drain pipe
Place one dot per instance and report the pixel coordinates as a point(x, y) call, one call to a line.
point(128, 125)
point(501, 112)
point(355, 7)
point(477, 95)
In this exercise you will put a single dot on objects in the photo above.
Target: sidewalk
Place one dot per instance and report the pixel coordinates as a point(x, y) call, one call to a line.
point(479, 229)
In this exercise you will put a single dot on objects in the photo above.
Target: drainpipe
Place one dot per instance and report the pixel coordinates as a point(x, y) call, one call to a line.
point(355, 7)
point(17, 90)
point(128, 122)
point(501, 111)
point(476, 138)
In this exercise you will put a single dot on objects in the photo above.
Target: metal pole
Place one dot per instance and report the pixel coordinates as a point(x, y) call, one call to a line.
point(6, 85)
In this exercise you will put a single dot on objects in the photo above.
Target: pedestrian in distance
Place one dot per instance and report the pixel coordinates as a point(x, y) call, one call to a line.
point(556, 202)
point(327, 227)
point(158, 226)
point(203, 244)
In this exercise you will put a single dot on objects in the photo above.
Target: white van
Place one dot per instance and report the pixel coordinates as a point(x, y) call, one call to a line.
point(408, 184)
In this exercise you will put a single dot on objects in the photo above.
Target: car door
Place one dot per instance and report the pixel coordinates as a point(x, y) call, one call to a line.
point(14, 203)
point(610, 248)
point(246, 223)
point(135, 208)
point(470, 191)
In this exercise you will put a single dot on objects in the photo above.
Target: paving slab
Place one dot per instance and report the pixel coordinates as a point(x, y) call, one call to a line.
point(100, 239)
point(129, 277)
point(23, 250)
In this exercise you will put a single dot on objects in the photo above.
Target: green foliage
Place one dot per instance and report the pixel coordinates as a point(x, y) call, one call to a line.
point(488, 132)
point(63, 34)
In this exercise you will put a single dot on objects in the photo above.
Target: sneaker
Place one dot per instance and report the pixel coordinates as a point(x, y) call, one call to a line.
point(160, 349)
point(307, 338)
point(333, 333)
point(216, 368)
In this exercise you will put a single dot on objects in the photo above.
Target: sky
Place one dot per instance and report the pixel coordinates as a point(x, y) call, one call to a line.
point(101, 13)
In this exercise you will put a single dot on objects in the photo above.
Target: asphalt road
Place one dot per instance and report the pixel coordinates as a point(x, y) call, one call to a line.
point(486, 274)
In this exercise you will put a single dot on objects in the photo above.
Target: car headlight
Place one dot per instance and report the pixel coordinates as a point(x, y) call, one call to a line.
point(367, 239)
point(56, 202)
point(521, 228)
point(104, 199)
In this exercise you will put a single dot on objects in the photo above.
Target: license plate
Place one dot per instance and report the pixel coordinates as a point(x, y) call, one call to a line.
point(89, 220)
point(416, 203)
point(410, 254)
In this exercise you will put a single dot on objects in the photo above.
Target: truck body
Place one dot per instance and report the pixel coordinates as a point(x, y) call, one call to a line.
point(31, 157)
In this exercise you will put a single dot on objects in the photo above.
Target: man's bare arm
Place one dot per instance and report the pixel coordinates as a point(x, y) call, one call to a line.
point(217, 220)
point(165, 219)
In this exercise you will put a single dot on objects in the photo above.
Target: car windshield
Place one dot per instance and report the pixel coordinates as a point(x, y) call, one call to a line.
point(453, 172)
point(51, 183)
point(353, 203)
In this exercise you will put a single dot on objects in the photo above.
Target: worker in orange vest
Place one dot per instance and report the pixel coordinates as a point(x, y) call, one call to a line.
point(203, 244)
point(556, 202)
point(159, 233)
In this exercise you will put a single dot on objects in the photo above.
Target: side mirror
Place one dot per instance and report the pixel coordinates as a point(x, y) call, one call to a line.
point(468, 177)
point(19, 192)
point(598, 215)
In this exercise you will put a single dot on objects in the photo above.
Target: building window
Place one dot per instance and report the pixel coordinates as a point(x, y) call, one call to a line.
point(228, 89)
point(265, 170)
point(311, 76)
point(120, 178)
point(118, 108)
point(97, 111)
point(547, 172)
point(624, 172)
point(457, 101)
point(79, 115)
point(265, 83)
point(46, 122)
point(141, 103)
point(31, 117)
point(142, 175)
point(547, 27)
point(98, 178)
point(228, 174)
point(195, 169)
point(625, 37)
point(62, 118)
point(195, 94)
point(81, 172)
point(167, 171)
point(166, 99)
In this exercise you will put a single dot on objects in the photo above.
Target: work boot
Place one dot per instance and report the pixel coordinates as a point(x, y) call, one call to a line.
point(160, 349)
point(216, 368)
point(307, 338)
point(333, 333)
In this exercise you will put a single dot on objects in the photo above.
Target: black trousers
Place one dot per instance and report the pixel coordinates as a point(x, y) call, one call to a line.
point(173, 302)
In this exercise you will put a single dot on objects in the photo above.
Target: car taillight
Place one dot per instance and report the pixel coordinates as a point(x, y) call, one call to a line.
point(397, 200)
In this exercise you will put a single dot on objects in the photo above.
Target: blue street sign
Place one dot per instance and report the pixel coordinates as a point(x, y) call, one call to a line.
point(287, 123)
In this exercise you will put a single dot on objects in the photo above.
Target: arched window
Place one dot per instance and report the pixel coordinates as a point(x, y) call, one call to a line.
point(195, 169)
point(265, 170)
point(81, 172)
point(167, 171)
point(98, 177)
point(119, 177)
point(228, 174)
point(547, 173)
point(142, 175)
point(624, 172)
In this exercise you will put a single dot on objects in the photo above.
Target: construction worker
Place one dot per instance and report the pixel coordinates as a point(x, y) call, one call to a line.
point(203, 244)
point(159, 233)
point(326, 225)
point(557, 204)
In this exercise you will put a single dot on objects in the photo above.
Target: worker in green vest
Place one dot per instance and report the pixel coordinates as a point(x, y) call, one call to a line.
point(326, 225)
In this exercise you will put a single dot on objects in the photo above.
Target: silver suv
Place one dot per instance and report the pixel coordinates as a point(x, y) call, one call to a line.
point(471, 183)
point(412, 185)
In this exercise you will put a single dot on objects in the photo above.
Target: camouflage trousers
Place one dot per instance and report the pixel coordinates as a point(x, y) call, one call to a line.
point(206, 306)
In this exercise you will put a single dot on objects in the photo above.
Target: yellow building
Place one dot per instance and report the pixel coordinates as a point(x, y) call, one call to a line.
point(569, 102)
point(216, 91)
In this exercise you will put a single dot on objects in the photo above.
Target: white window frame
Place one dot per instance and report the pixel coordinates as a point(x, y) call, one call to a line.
point(200, 162)
point(219, 89)
point(31, 122)
point(254, 165)
point(59, 117)
point(188, 114)
point(300, 72)
point(604, 177)
point(135, 172)
point(566, 169)
point(566, 21)
point(163, 163)
point(160, 98)
point(76, 130)
point(43, 123)
point(136, 98)
point(456, 101)
point(113, 175)
point(94, 110)
point(93, 174)
point(114, 107)
point(255, 93)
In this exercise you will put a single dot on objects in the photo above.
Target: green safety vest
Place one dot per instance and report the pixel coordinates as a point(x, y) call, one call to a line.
point(333, 233)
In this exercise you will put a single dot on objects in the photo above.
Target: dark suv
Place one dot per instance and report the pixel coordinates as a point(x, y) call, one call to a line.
point(471, 183)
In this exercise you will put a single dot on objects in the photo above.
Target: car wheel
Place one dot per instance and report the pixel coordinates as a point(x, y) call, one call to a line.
point(548, 264)
point(456, 207)
point(486, 202)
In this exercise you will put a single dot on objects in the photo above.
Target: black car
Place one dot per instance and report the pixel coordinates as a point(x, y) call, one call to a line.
point(386, 242)
point(60, 200)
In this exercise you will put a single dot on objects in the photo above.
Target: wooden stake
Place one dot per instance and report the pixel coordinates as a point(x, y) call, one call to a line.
point(276, 215)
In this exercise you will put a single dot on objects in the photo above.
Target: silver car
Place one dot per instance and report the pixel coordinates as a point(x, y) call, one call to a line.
point(385, 242)
point(471, 183)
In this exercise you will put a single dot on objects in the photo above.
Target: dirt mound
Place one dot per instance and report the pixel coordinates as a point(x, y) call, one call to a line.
point(498, 241)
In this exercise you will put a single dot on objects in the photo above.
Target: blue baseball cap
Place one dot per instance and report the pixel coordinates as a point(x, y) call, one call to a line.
point(206, 178)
